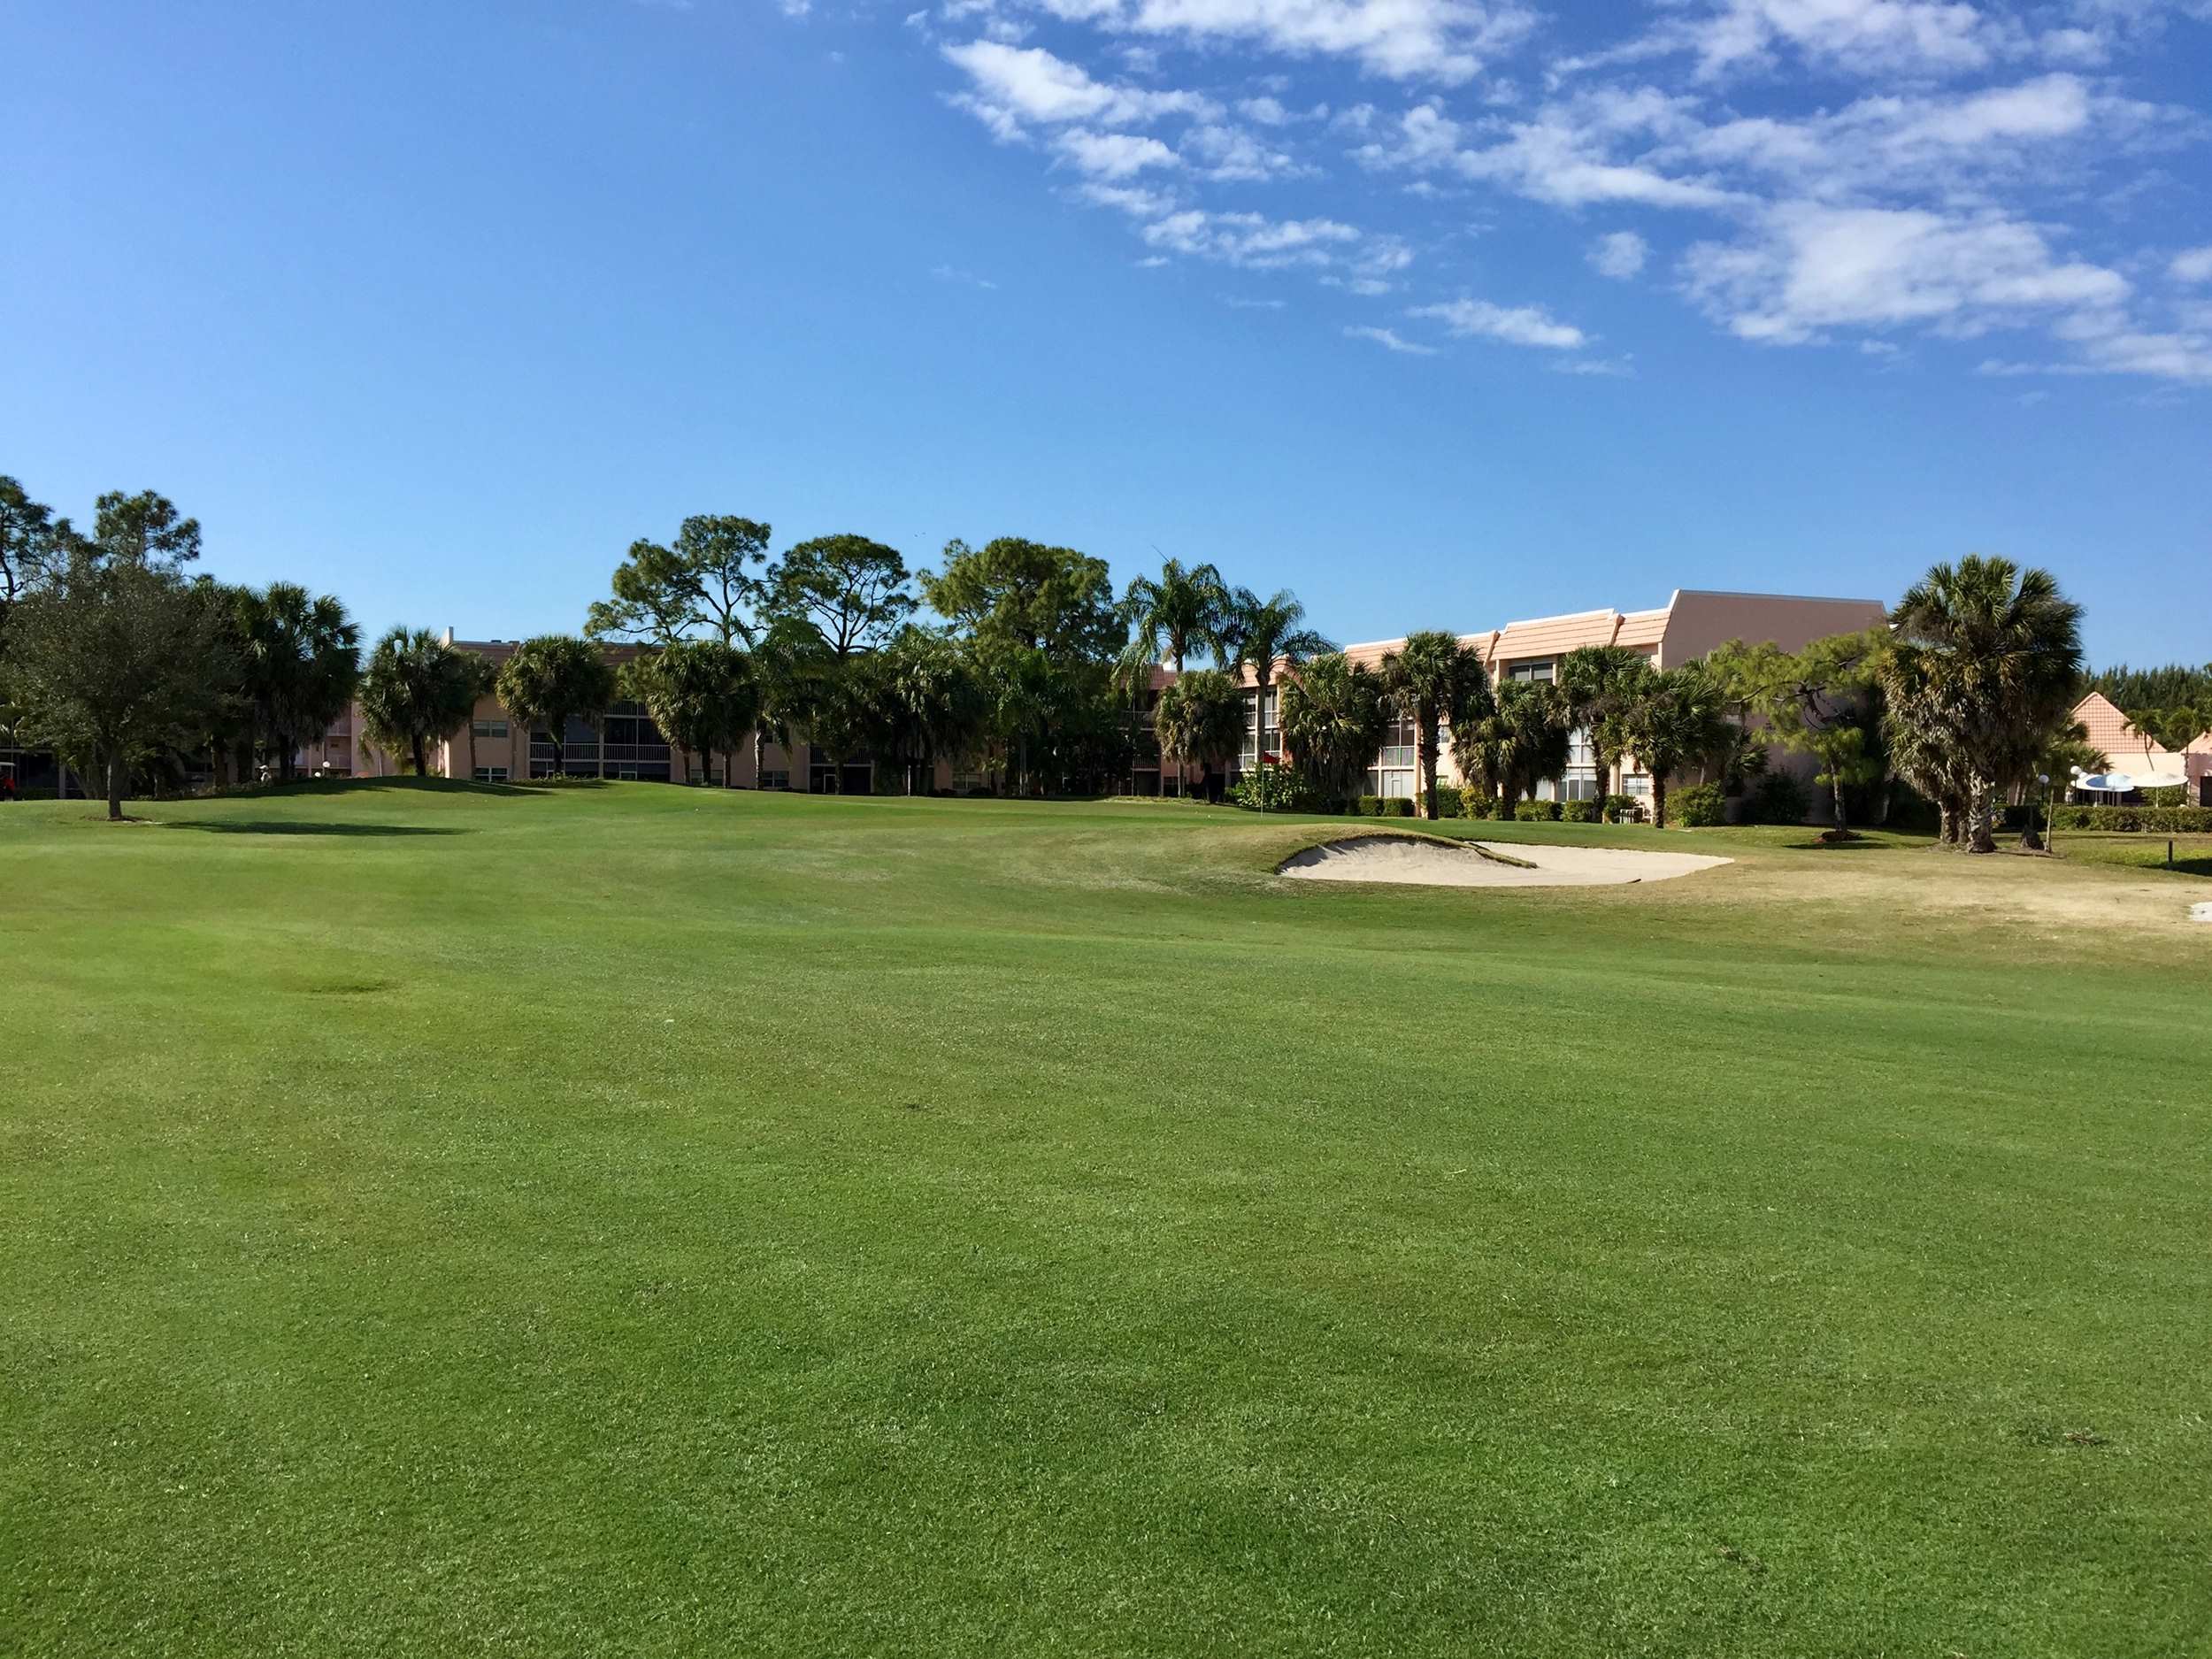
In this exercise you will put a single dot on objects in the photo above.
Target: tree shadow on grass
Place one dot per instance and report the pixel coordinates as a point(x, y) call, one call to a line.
point(280, 826)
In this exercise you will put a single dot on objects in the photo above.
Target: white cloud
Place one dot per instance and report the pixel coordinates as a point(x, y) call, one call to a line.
point(1389, 339)
point(1238, 302)
point(2193, 266)
point(965, 279)
point(1812, 267)
point(1608, 368)
point(1864, 36)
point(1017, 84)
point(1114, 155)
point(1231, 153)
point(1265, 111)
point(1619, 254)
point(1516, 325)
point(1248, 239)
point(1449, 41)
point(1136, 200)
point(1566, 154)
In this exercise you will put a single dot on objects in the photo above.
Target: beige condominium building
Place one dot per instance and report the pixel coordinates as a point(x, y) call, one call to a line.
point(1688, 626)
point(624, 743)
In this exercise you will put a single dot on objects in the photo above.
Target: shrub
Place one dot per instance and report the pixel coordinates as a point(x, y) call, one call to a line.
point(1535, 811)
point(2160, 820)
point(1276, 789)
point(1395, 806)
point(2174, 795)
point(1368, 806)
point(1700, 806)
point(1449, 803)
point(1579, 812)
point(1780, 798)
point(1623, 808)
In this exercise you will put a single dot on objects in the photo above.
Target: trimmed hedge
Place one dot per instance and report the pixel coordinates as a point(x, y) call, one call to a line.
point(1579, 812)
point(1536, 811)
point(2159, 820)
point(1384, 806)
point(1623, 808)
point(1449, 801)
point(1700, 806)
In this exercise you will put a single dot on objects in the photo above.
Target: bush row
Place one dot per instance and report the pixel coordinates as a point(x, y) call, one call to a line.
point(2163, 820)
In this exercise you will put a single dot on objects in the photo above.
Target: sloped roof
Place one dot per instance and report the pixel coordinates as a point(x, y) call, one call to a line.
point(2114, 732)
point(1552, 636)
point(1643, 627)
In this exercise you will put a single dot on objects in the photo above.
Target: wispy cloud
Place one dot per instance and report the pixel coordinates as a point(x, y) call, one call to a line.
point(964, 279)
point(1389, 339)
point(1513, 324)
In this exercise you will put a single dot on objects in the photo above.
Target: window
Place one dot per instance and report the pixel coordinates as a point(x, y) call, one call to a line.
point(971, 783)
point(1263, 738)
point(1532, 673)
point(491, 774)
point(1399, 742)
point(776, 780)
point(489, 728)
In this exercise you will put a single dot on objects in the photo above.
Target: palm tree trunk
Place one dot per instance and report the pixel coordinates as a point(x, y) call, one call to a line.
point(1980, 822)
point(1658, 798)
point(1425, 751)
point(422, 756)
point(118, 773)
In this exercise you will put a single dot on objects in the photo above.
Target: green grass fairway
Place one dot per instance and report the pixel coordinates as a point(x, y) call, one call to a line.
point(638, 1220)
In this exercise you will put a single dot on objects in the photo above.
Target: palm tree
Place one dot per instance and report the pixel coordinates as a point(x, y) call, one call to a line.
point(1600, 682)
point(1334, 713)
point(1679, 719)
point(1181, 612)
point(1200, 718)
point(419, 688)
point(931, 704)
point(302, 658)
point(1259, 634)
point(2069, 751)
point(1440, 682)
point(1515, 740)
point(1994, 653)
point(551, 681)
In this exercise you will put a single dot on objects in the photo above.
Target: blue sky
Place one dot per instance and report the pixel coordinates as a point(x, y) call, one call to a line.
point(1440, 311)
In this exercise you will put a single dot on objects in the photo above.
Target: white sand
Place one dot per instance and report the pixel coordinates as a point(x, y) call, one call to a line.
point(1430, 863)
point(2200, 912)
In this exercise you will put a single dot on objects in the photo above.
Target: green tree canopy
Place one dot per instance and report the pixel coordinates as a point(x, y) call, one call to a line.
point(1178, 611)
point(1824, 700)
point(1200, 718)
point(856, 593)
point(702, 693)
point(416, 689)
point(1013, 591)
point(145, 528)
point(1601, 683)
point(1439, 683)
point(552, 679)
point(29, 530)
point(1334, 715)
point(1507, 744)
point(707, 580)
point(301, 658)
point(928, 702)
point(115, 661)
point(1986, 668)
point(1679, 720)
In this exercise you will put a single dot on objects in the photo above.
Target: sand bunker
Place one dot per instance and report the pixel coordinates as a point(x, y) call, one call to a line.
point(1478, 864)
